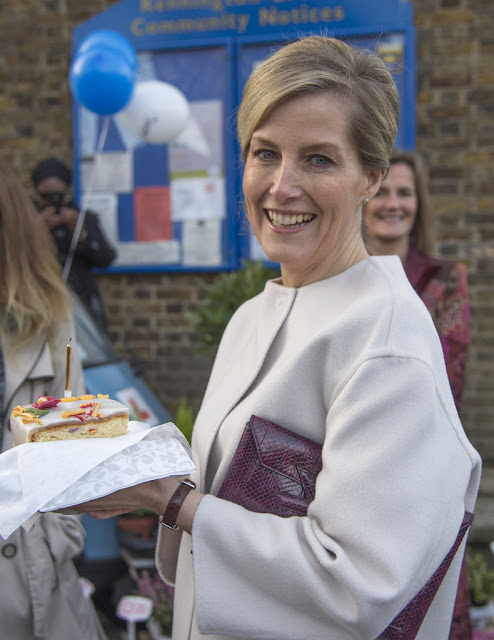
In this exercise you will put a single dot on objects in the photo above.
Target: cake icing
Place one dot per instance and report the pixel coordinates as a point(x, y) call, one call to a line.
point(86, 416)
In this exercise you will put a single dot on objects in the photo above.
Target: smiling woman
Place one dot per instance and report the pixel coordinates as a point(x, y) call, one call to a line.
point(336, 363)
point(400, 212)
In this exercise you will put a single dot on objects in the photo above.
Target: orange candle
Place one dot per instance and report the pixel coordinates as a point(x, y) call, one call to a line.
point(68, 363)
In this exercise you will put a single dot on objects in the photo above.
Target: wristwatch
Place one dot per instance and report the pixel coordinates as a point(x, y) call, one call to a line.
point(169, 518)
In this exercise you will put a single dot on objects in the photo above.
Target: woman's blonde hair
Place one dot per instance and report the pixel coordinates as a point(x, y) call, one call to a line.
point(423, 232)
point(318, 64)
point(33, 295)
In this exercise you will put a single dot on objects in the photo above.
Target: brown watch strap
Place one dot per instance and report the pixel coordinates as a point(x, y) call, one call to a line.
point(169, 518)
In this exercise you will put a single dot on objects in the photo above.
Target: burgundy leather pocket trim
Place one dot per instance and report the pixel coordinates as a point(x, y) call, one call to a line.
point(407, 624)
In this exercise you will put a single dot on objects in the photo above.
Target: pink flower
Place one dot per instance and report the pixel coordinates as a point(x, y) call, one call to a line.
point(46, 402)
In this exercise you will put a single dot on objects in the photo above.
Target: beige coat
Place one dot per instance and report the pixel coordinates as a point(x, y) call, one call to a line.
point(40, 595)
point(353, 362)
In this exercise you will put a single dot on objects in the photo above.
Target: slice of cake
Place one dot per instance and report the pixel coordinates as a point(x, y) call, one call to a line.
point(52, 419)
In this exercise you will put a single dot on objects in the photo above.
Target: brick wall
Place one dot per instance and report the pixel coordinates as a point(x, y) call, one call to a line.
point(455, 104)
point(455, 127)
point(146, 317)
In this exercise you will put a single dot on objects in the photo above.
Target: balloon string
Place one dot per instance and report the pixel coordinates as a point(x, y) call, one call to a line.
point(82, 215)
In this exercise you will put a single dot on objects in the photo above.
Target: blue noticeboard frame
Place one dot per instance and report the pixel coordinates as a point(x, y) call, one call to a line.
point(206, 48)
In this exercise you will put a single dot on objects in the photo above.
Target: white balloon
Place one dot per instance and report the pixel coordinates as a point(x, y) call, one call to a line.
point(192, 137)
point(157, 112)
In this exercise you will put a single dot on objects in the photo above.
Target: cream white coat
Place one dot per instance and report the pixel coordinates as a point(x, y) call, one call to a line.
point(353, 362)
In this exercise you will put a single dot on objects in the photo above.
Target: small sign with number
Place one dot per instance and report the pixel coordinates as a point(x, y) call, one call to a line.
point(134, 608)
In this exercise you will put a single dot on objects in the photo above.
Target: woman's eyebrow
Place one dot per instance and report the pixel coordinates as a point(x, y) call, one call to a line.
point(317, 146)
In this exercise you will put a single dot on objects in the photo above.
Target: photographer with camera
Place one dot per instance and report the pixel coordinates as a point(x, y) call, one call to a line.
point(52, 180)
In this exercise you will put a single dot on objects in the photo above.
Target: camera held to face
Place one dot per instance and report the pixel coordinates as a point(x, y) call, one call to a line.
point(56, 200)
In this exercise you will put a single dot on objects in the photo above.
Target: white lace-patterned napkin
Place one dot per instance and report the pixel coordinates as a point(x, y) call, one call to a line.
point(49, 476)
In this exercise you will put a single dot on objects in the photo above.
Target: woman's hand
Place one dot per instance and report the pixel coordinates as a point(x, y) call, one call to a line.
point(69, 216)
point(66, 215)
point(153, 495)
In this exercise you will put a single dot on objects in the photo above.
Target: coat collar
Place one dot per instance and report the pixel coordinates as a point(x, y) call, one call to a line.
point(28, 361)
point(238, 362)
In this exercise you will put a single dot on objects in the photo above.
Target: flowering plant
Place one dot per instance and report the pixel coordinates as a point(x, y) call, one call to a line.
point(161, 594)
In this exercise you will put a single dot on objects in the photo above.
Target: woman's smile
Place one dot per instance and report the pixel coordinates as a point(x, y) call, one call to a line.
point(289, 221)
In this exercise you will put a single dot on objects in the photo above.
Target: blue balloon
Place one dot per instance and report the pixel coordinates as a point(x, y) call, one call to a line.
point(110, 41)
point(102, 80)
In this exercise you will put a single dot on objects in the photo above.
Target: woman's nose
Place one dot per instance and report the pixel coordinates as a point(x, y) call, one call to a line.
point(286, 182)
point(392, 201)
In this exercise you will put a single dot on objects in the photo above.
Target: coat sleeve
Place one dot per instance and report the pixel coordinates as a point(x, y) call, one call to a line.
point(95, 248)
point(378, 528)
point(65, 536)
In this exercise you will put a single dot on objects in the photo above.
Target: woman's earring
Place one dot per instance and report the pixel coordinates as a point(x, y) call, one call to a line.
point(365, 202)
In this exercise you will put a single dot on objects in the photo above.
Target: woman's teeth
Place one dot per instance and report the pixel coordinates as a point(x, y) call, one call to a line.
point(287, 220)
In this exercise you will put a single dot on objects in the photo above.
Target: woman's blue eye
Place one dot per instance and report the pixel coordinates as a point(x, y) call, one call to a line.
point(264, 154)
point(321, 160)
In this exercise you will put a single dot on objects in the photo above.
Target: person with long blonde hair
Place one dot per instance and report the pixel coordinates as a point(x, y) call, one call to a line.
point(33, 296)
point(41, 596)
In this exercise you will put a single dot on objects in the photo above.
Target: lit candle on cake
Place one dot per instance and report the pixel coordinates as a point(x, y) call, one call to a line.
point(68, 363)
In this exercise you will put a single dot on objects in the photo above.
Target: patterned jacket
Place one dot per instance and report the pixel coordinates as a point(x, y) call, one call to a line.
point(442, 286)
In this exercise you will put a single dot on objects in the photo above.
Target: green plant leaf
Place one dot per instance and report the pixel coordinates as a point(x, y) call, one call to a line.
point(480, 578)
point(184, 418)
